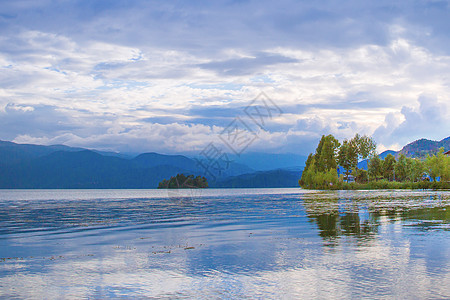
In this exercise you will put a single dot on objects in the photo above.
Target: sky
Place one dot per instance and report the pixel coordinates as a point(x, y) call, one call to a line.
point(175, 76)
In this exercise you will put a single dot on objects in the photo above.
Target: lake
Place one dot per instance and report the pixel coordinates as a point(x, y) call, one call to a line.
point(224, 243)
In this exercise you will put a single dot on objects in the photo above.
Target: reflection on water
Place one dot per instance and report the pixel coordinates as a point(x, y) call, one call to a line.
point(359, 215)
point(262, 243)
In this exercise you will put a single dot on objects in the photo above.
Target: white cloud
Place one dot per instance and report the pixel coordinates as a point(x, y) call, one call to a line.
point(99, 87)
point(430, 119)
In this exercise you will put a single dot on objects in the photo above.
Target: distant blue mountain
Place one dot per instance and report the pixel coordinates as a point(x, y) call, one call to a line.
point(59, 166)
point(149, 160)
point(13, 152)
point(383, 155)
point(363, 164)
point(80, 169)
point(261, 179)
point(270, 161)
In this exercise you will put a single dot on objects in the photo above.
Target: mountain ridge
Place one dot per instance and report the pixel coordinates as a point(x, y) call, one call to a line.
point(59, 166)
point(417, 149)
point(423, 147)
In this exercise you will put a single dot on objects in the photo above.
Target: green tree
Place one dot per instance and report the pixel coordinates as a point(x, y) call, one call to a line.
point(416, 169)
point(436, 165)
point(366, 147)
point(331, 177)
point(163, 184)
point(309, 161)
point(401, 168)
point(306, 180)
point(388, 167)
point(446, 175)
point(348, 156)
point(200, 182)
point(361, 176)
point(318, 165)
point(326, 153)
point(375, 167)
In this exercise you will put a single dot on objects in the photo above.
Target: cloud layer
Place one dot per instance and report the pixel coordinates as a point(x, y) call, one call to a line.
point(169, 77)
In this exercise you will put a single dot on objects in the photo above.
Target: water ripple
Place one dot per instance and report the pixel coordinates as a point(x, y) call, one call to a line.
point(263, 243)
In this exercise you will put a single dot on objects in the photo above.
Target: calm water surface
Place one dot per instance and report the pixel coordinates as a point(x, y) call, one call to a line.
point(258, 243)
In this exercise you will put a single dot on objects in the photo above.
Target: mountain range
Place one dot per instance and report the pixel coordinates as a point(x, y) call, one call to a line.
point(423, 147)
point(59, 166)
point(417, 149)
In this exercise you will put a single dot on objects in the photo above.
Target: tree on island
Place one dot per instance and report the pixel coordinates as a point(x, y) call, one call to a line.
point(182, 181)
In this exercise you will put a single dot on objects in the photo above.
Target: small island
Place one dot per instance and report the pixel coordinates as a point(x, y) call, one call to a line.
point(182, 181)
point(335, 166)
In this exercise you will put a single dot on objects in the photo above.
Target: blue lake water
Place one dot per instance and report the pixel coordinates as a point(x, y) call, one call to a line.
point(255, 243)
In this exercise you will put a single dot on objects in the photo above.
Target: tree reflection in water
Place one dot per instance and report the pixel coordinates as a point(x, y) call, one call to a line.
point(337, 217)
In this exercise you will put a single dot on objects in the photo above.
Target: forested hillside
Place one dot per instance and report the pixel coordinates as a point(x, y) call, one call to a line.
point(423, 147)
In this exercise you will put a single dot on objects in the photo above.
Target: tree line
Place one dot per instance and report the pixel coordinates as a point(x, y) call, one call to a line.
point(402, 172)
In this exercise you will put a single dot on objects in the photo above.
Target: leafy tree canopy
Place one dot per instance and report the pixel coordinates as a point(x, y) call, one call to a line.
point(320, 170)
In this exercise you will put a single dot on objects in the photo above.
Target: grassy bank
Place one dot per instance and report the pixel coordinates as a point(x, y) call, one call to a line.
point(391, 185)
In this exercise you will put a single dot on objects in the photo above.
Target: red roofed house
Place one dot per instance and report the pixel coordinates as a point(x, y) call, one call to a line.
point(447, 153)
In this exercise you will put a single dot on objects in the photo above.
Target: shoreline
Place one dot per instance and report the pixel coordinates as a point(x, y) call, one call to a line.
point(389, 185)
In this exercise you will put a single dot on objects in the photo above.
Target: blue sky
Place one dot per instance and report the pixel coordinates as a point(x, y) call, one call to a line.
point(169, 76)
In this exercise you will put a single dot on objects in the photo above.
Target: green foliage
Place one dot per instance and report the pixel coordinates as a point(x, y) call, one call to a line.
point(312, 178)
point(325, 157)
point(183, 182)
point(309, 161)
point(446, 175)
point(375, 167)
point(403, 173)
point(401, 168)
point(306, 180)
point(365, 146)
point(319, 165)
point(416, 169)
point(395, 185)
point(437, 165)
point(388, 167)
point(348, 156)
point(320, 180)
point(361, 176)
